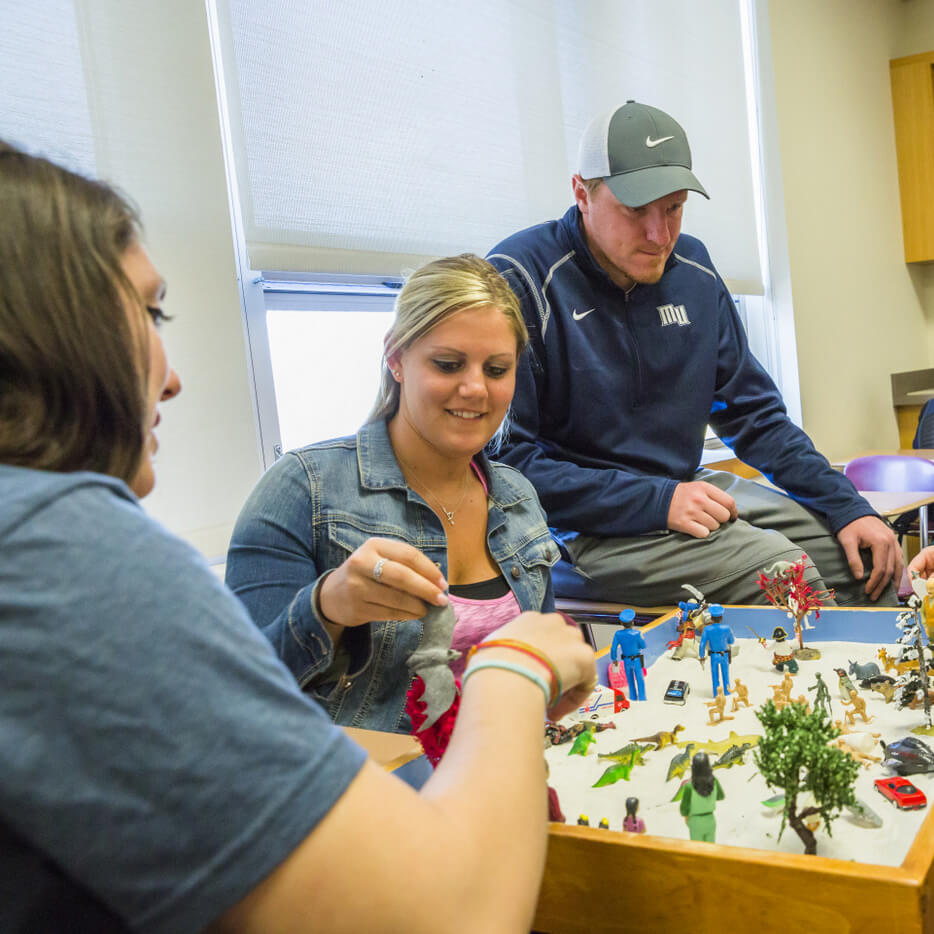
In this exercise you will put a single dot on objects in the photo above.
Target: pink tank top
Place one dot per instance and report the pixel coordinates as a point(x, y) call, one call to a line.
point(476, 619)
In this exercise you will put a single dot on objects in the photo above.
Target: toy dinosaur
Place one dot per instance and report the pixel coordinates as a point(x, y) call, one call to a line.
point(582, 743)
point(618, 771)
point(432, 662)
point(680, 763)
point(721, 745)
point(662, 738)
point(626, 752)
point(733, 756)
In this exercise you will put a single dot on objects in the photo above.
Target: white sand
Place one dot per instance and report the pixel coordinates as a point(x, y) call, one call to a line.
point(741, 819)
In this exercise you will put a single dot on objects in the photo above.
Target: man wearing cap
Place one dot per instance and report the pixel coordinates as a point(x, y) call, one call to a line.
point(635, 346)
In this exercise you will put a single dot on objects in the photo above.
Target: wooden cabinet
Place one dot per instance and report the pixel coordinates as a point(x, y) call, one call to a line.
point(913, 104)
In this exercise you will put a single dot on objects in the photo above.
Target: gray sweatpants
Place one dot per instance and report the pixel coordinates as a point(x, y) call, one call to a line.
point(648, 570)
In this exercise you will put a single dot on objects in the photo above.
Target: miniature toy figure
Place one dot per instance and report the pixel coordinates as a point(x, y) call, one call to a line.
point(716, 708)
point(630, 751)
point(803, 701)
point(888, 663)
point(583, 741)
point(858, 745)
point(604, 823)
point(785, 587)
point(619, 771)
point(720, 746)
point(914, 689)
point(690, 624)
point(865, 671)
point(662, 738)
point(628, 646)
point(735, 755)
point(781, 693)
point(822, 698)
point(859, 707)
point(616, 676)
point(783, 653)
point(680, 763)
point(583, 820)
point(927, 608)
point(908, 756)
point(740, 695)
point(685, 645)
point(845, 684)
point(793, 756)
point(883, 685)
point(699, 798)
point(717, 639)
point(555, 815)
point(556, 734)
point(631, 822)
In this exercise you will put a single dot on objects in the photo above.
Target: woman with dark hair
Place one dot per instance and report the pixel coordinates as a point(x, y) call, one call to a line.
point(161, 771)
point(699, 798)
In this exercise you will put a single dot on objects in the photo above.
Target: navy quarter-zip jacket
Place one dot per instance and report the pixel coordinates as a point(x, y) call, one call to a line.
point(614, 393)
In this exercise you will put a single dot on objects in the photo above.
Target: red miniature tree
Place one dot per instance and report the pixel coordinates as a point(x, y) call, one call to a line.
point(789, 591)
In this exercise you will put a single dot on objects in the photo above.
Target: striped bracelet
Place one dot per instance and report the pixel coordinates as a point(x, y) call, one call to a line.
point(532, 676)
point(526, 649)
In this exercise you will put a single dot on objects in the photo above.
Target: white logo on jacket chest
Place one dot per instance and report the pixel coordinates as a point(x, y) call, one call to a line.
point(673, 314)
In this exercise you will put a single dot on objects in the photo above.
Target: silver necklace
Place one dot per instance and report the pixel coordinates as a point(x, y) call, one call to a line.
point(449, 513)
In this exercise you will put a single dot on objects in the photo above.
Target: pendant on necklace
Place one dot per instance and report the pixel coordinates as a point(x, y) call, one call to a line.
point(449, 514)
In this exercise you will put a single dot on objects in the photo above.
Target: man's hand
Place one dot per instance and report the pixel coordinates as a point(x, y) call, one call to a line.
point(923, 562)
point(871, 532)
point(698, 508)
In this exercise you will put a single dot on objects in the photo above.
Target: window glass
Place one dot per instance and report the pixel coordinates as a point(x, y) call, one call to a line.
point(325, 368)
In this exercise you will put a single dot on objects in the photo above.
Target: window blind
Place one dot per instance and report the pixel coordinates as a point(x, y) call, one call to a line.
point(373, 135)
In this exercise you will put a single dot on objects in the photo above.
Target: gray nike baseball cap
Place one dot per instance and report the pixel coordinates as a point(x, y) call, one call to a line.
point(640, 152)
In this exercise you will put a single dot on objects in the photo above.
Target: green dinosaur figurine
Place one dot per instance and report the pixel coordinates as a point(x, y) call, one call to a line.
point(624, 753)
point(582, 742)
point(617, 772)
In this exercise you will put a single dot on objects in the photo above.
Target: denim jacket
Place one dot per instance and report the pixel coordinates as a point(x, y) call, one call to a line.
point(312, 509)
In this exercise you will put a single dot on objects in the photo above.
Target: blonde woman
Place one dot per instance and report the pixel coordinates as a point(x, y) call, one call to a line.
point(161, 771)
point(344, 545)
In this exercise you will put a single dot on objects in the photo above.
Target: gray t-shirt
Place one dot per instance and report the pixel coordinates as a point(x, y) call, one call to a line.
point(157, 759)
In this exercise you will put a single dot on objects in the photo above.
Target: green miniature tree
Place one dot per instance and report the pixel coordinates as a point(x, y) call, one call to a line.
point(794, 756)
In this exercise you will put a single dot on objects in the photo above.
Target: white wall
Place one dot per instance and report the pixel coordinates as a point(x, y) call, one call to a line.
point(860, 314)
point(158, 138)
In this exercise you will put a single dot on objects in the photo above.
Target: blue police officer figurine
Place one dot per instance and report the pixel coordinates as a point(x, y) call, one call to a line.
point(717, 638)
point(628, 646)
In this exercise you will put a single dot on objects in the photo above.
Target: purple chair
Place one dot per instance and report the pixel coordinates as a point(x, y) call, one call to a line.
point(894, 473)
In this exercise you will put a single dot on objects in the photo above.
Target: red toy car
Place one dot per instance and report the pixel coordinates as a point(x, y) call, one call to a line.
point(901, 793)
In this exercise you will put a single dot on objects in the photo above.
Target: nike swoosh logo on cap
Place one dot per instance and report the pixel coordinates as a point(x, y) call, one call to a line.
point(652, 143)
point(579, 316)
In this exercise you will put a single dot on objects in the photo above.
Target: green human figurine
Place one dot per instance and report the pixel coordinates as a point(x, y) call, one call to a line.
point(822, 698)
point(699, 798)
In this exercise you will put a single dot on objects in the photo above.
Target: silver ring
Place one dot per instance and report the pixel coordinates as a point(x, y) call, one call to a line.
point(378, 569)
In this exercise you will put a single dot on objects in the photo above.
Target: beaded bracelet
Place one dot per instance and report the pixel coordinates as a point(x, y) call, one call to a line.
point(529, 650)
point(515, 669)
